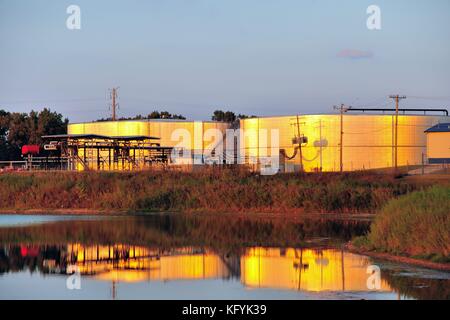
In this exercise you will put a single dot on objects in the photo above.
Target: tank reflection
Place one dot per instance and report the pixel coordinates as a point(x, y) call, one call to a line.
point(277, 268)
point(134, 263)
point(305, 269)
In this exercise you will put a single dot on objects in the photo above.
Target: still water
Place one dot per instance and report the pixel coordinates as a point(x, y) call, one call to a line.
point(197, 257)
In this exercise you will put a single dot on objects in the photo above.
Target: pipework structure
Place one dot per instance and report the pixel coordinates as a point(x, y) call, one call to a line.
point(99, 152)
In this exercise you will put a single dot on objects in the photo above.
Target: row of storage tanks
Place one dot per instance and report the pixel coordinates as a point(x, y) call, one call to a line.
point(257, 267)
point(368, 141)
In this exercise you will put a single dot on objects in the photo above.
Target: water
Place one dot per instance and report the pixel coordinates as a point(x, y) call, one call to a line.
point(17, 219)
point(197, 257)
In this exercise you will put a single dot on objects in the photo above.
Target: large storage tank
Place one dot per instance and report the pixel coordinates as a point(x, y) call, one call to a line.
point(188, 135)
point(368, 140)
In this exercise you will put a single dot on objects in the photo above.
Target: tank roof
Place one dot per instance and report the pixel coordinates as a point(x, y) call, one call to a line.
point(440, 127)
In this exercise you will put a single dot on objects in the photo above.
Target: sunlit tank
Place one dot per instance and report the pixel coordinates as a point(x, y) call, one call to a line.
point(134, 263)
point(258, 267)
point(368, 140)
point(162, 129)
point(171, 133)
point(306, 269)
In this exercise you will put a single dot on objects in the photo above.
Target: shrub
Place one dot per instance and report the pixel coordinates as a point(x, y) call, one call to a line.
point(417, 224)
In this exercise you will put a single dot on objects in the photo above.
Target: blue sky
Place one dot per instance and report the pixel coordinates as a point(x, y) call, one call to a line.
point(194, 56)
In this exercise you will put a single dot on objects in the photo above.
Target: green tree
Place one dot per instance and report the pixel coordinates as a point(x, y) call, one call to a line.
point(228, 116)
point(18, 129)
point(154, 115)
point(18, 134)
point(218, 115)
point(4, 121)
point(49, 123)
point(165, 115)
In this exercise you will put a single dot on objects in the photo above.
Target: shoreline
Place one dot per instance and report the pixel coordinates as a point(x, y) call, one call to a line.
point(248, 214)
point(63, 212)
point(399, 259)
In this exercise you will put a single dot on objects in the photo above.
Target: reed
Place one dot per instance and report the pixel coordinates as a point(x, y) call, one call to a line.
point(208, 190)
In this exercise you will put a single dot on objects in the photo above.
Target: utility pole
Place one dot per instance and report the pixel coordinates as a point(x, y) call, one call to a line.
point(299, 144)
point(113, 102)
point(342, 108)
point(397, 99)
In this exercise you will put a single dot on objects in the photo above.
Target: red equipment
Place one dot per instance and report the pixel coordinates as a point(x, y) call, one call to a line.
point(30, 149)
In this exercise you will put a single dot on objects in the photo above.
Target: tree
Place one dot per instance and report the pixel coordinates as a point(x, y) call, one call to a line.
point(18, 134)
point(4, 120)
point(18, 129)
point(49, 123)
point(219, 115)
point(244, 116)
point(165, 115)
point(228, 116)
point(152, 115)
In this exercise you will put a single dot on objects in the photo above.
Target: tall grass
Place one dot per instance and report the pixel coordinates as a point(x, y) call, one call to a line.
point(212, 190)
point(417, 224)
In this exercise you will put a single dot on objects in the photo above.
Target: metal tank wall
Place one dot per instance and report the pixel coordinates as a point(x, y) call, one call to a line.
point(191, 135)
point(110, 128)
point(368, 140)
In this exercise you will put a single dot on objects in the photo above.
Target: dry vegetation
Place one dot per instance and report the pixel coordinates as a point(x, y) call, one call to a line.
point(211, 190)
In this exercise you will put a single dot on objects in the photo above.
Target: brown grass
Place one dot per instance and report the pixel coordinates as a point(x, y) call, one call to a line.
point(209, 190)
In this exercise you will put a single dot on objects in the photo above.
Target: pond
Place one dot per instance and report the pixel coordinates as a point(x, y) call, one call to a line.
point(174, 256)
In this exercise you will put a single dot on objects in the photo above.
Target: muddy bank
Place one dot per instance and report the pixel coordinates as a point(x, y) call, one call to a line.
point(399, 259)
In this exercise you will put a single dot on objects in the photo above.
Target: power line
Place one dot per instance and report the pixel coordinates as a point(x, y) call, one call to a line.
point(53, 100)
point(342, 108)
point(372, 102)
point(439, 98)
point(397, 99)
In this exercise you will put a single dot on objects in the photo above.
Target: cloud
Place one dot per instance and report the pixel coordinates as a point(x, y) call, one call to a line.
point(355, 54)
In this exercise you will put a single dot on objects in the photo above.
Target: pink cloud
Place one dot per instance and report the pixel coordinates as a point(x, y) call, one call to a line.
point(355, 54)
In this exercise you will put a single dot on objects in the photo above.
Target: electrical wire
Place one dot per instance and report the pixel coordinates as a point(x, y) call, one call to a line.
point(54, 100)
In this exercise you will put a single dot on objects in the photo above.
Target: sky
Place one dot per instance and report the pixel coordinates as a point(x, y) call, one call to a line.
point(191, 57)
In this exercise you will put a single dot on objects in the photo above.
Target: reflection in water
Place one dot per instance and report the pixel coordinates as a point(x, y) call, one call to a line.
point(306, 269)
point(132, 263)
point(297, 256)
point(288, 268)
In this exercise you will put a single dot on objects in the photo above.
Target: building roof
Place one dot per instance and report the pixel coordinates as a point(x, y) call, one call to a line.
point(97, 136)
point(355, 114)
point(440, 127)
point(148, 120)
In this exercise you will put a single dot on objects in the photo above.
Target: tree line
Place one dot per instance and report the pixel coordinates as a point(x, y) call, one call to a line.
point(228, 116)
point(18, 129)
point(153, 115)
point(218, 115)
